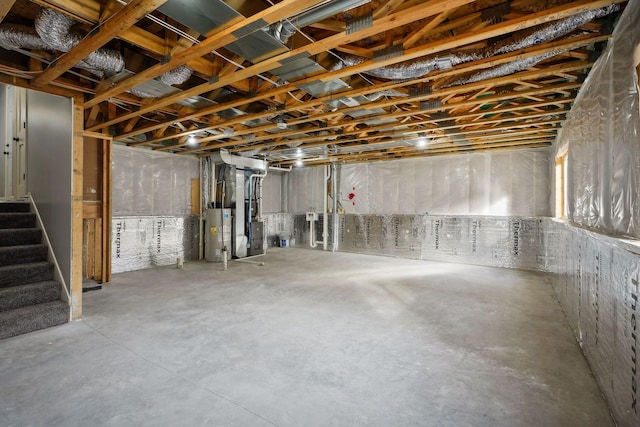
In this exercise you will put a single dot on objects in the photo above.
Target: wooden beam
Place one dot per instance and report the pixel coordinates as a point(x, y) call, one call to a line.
point(416, 35)
point(425, 10)
point(5, 7)
point(121, 20)
point(221, 37)
point(390, 21)
point(387, 103)
point(317, 102)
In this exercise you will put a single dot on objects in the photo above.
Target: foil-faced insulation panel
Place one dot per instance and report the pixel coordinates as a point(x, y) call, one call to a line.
point(511, 242)
point(150, 241)
point(596, 279)
point(150, 183)
point(279, 226)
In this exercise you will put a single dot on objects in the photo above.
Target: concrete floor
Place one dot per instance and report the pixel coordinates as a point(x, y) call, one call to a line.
point(309, 339)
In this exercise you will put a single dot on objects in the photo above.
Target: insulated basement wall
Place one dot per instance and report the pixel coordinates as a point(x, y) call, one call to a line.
point(596, 279)
point(497, 183)
point(152, 223)
point(513, 242)
point(602, 137)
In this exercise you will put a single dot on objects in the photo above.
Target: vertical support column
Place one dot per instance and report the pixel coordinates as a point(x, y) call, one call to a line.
point(106, 209)
point(76, 210)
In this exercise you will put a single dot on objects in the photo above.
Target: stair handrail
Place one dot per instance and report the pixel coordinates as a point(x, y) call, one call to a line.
point(57, 273)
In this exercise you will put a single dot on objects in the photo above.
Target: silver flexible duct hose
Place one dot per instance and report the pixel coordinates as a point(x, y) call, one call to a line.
point(419, 68)
point(54, 28)
point(13, 37)
point(505, 69)
point(377, 95)
point(549, 32)
point(177, 76)
point(53, 32)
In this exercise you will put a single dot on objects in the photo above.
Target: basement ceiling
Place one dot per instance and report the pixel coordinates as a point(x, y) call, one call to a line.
point(310, 80)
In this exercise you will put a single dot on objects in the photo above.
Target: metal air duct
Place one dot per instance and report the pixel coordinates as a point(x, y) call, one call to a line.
point(283, 30)
point(54, 28)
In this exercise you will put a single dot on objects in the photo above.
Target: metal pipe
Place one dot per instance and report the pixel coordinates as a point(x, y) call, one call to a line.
point(284, 29)
point(281, 169)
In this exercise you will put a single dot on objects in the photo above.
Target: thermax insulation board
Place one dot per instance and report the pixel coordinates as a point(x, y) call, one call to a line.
point(483, 240)
point(596, 279)
point(148, 241)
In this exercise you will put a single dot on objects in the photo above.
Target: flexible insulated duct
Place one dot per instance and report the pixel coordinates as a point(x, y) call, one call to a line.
point(13, 37)
point(177, 76)
point(53, 32)
point(54, 28)
point(419, 68)
point(505, 69)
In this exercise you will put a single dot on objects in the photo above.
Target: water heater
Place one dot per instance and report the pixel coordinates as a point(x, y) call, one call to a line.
point(218, 234)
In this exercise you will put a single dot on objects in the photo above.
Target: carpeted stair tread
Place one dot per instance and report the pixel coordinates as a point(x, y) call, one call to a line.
point(17, 220)
point(25, 295)
point(15, 207)
point(33, 318)
point(23, 254)
point(20, 236)
point(22, 274)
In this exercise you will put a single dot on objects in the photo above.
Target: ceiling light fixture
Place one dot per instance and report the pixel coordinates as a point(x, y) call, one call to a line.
point(422, 140)
point(299, 163)
point(192, 140)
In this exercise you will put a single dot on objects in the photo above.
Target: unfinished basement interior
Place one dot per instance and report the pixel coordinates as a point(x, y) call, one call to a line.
point(319, 212)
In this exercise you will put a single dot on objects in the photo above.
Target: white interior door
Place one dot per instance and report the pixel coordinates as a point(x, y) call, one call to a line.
point(20, 144)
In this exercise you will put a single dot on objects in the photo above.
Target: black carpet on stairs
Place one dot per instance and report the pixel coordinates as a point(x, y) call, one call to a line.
point(29, 295)
point(20, 236)
point(17, 220)
point(24, 295)
point(33, 318)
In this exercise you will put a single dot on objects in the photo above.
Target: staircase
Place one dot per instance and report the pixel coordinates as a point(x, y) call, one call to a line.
point(29, 296)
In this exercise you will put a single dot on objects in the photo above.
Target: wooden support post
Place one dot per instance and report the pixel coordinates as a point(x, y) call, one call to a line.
point(76, 211)
point(106, 209)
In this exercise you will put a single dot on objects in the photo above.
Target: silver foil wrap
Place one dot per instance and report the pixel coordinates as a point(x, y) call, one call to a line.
point(150, 241)
point(601, 137)
point(54, 28)
point(505, 69)
point(596, 279)
point(21, 37)
point(176, 76)
point(417, 68)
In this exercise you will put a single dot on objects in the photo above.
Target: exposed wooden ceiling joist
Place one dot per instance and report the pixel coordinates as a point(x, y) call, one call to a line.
point(490, 100)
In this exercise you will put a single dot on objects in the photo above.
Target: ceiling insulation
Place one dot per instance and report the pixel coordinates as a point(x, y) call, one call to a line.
point(339, 80)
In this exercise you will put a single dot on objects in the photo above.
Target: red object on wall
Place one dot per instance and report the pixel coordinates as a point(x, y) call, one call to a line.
point(352, 196)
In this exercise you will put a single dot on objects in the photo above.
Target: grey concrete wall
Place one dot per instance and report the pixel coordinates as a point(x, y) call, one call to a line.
point(50, 165)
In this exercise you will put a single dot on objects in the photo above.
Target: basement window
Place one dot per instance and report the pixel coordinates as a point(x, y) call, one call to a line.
point(561, 185)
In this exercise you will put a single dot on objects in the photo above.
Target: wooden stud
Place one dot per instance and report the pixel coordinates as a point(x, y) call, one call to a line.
point(76, 212)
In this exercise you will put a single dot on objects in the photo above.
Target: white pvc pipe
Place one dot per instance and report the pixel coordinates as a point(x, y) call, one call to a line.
point(325, 225)
point(325, 222)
